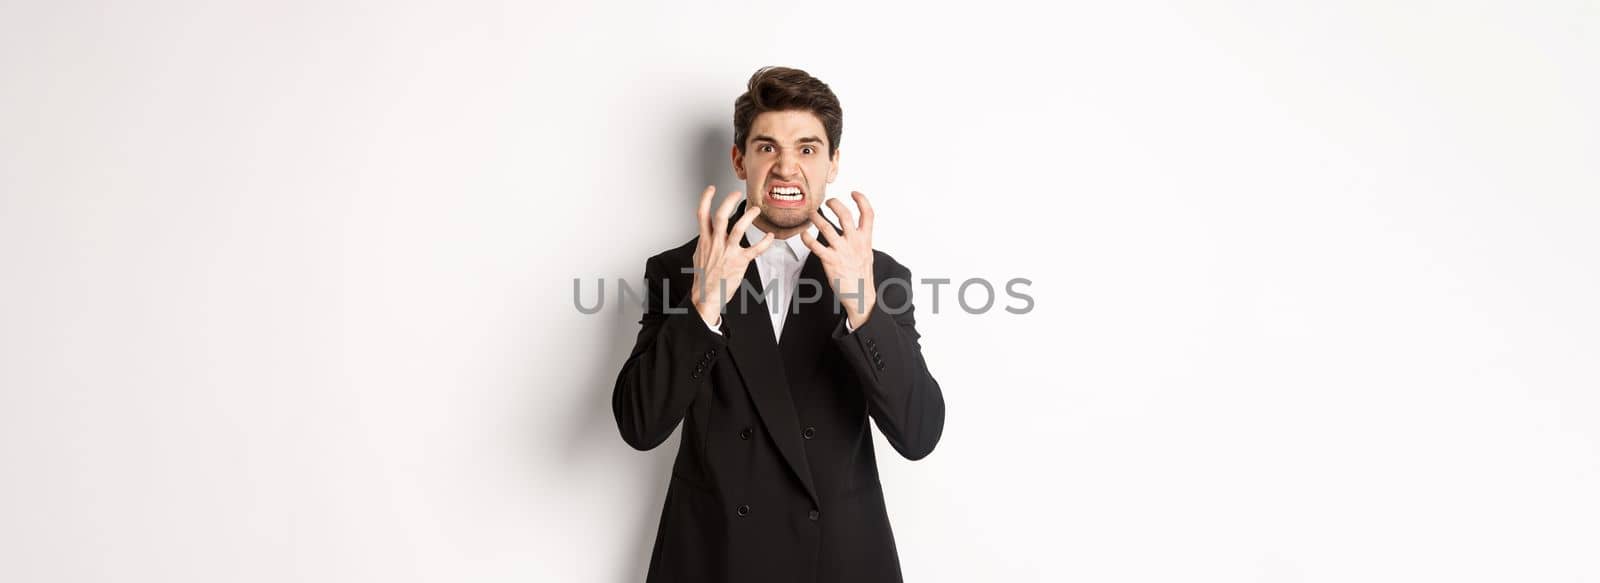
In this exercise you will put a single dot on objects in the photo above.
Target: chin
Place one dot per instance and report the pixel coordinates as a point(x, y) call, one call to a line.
point(787, 218)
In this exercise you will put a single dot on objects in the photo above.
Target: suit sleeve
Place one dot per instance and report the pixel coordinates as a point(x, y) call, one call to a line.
point(671, 359)
point(885, 353)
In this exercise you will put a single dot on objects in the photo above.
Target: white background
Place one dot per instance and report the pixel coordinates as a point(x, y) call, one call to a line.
point(287, 288)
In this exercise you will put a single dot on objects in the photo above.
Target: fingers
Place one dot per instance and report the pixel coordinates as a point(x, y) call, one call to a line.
point(847, 221)
point(705, 212)
point(825, 228)
point(762, 245)
point(812, 243)
point(719, 224)
point(743, 225)
point(866, 210)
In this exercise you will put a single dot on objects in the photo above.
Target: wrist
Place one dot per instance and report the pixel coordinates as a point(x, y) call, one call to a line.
point(857, 314)
point(713, 317)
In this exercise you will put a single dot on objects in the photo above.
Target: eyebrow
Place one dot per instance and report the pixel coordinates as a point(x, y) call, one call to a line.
point(805, 140)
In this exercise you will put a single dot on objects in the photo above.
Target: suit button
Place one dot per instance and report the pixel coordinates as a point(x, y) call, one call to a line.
point(815, 515)
point(711, 353)
point(809, 433)
point(745, 433)
point(743, 510)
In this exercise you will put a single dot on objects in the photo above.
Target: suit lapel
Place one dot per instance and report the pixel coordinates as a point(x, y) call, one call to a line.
point(761, 365)
point(755, 355)
point(805, 318)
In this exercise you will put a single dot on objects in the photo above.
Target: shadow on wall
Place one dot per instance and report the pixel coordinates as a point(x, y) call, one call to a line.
point(593, 432)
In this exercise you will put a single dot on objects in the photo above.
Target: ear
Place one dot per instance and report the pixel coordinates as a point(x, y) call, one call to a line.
point(738, 163)
point(833, 167)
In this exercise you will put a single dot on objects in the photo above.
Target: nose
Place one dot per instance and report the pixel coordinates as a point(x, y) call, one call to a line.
point(787, 166)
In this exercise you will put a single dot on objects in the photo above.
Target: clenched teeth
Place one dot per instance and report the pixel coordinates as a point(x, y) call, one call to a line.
point(786, 193)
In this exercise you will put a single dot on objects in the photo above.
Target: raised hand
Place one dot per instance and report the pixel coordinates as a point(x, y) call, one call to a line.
point(847, 259)
point(719, 261)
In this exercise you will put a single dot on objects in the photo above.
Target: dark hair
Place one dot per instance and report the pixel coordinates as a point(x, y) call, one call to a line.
point(786, 89)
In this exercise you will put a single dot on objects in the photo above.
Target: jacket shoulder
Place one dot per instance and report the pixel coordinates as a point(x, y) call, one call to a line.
point(680, 256)
point(883, 264)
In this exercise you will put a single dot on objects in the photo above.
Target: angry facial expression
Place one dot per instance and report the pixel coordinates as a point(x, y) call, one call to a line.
point(786, 169)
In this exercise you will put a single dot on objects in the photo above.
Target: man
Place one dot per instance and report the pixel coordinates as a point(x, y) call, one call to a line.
point(776, 480)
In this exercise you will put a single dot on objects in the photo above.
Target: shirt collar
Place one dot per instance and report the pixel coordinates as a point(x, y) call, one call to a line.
point(797, 247)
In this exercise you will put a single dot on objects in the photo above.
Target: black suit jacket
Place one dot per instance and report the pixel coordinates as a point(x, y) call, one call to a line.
point(775, 479)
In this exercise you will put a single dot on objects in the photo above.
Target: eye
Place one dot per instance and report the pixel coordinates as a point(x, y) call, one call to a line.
point(765, 148)
point(808, 150)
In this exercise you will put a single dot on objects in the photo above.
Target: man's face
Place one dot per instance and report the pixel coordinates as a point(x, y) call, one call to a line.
point(786, 169)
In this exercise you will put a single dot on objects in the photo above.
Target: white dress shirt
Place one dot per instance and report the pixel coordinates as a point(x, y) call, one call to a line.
point(779, 270)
